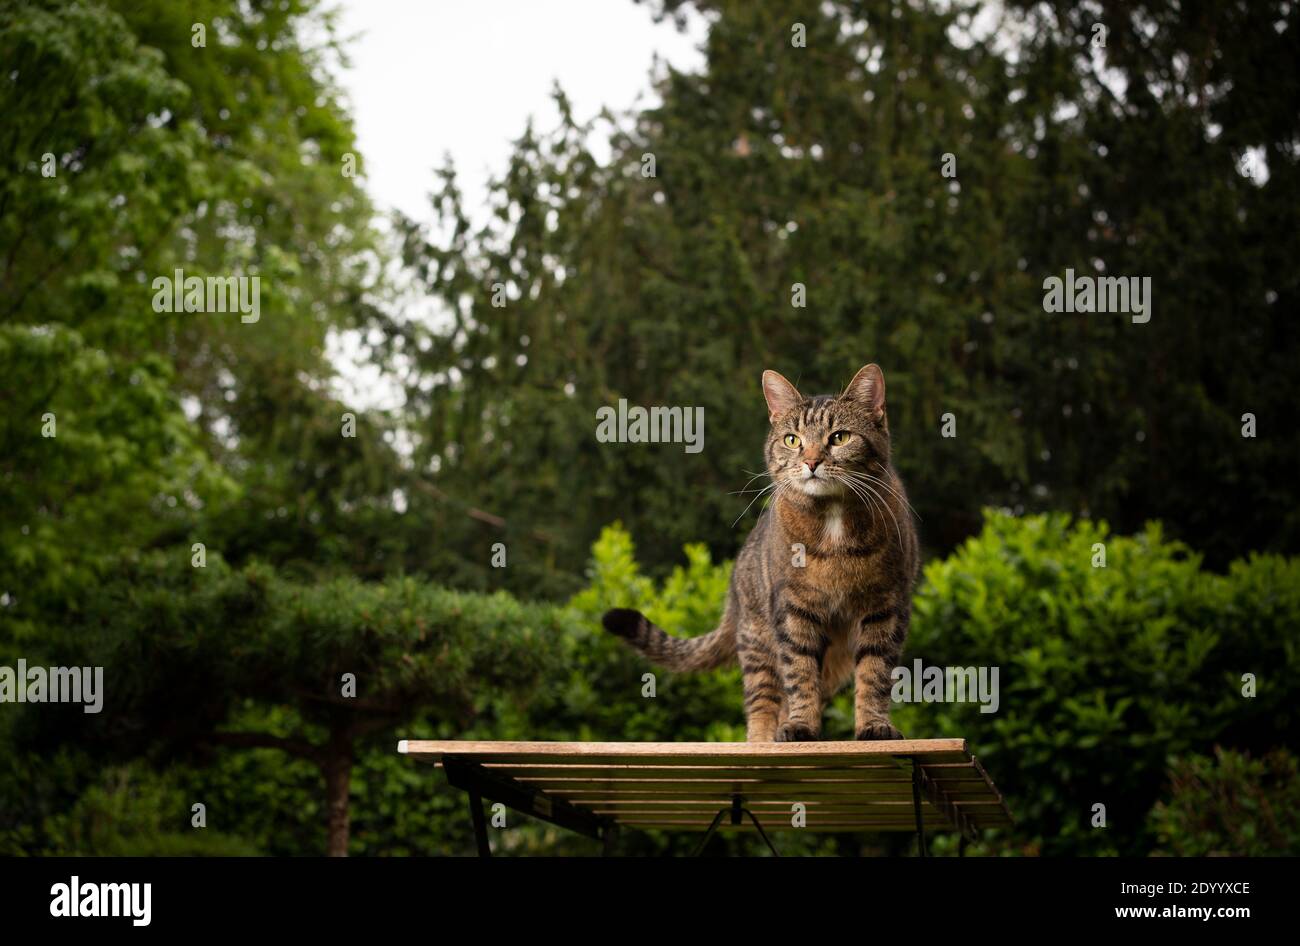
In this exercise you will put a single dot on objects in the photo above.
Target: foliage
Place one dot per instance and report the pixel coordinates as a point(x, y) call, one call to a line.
point(216, 160)
point(1104, 671)
point(192, 657)
point(135, 813)
point(777, 165)
point(1230, 805)
point(132, 152)
point(116, 444)
point(607, 676)
point(252, 633)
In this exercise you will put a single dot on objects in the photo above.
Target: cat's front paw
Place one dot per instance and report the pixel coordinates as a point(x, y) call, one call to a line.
point(796, 732)
point(876, 731)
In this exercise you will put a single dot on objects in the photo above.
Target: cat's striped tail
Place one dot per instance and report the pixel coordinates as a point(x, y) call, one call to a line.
point(714, 649)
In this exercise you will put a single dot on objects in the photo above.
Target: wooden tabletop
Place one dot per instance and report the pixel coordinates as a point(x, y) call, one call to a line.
point(842, 786)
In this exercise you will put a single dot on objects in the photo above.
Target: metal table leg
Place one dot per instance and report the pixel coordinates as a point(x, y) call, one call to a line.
point(480, 824)
point(737, 812)
point(916, 804)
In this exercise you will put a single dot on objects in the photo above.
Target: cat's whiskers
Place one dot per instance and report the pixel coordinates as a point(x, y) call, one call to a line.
point(754, 476)
point(867, 478)
point(897, 529)
point(774, 485)
point(850, 476)
point(781, 487)
point(872, 502)
point(900, 496)
point(745, 489)
point(852, 487)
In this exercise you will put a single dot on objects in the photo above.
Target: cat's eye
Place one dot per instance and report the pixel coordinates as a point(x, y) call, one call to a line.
point(792, 441)
point(839, 438)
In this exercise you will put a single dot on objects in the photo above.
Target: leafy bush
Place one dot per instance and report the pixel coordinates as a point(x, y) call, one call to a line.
point(1230, 805)
point(202, 660)
point(1105, 672)
point(134, 812)
point(602, 698)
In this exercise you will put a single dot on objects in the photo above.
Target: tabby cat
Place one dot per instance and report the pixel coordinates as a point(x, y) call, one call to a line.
point(821, 592)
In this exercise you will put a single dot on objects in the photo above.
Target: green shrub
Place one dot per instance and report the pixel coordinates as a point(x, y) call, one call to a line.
point(603, 698)
point(1230, 805)
point(134, 812)
point(1105, 672)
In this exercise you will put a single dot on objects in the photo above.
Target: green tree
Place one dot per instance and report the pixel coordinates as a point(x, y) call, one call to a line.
point(189, 653)
point(823, 165)
point(134, 150)
point(132, 153)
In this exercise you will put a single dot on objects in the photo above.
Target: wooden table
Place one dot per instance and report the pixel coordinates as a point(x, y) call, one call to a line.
point(595, 788)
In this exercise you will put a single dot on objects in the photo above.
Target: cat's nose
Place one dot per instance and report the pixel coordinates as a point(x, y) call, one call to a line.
point(812, 463)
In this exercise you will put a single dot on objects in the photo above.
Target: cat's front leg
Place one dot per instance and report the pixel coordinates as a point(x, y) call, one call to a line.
point(802, 638)
point(877, 646)
point(763, 699)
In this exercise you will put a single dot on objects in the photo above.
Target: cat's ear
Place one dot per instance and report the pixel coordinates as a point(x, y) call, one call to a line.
point(780, 394)
point(868, 389)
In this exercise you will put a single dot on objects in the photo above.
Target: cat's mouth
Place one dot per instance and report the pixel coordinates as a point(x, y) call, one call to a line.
point(818, 483)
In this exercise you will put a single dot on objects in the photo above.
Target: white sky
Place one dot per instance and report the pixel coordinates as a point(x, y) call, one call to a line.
point(463, 76)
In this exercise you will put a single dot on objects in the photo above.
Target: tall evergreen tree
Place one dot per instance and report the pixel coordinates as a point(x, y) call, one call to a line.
point(920, 176)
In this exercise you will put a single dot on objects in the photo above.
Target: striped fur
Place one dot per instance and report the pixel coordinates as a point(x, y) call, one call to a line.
point(705, 652)
point(802, 631)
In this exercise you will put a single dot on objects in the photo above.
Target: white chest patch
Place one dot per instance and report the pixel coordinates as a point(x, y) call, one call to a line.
point(833, 526)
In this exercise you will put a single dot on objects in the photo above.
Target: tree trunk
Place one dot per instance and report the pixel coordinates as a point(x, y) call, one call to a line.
point(338, 779)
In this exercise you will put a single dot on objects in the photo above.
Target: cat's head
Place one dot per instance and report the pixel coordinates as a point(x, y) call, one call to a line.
point(816, 444)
